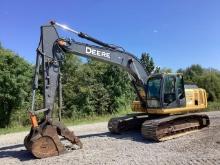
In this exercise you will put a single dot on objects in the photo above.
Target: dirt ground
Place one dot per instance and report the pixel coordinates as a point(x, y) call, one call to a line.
point(101, 147)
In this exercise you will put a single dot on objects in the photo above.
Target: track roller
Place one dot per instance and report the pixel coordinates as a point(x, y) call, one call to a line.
point(173, 126)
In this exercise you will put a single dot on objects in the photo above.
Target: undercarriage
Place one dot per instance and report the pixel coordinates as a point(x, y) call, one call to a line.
point(159, 128)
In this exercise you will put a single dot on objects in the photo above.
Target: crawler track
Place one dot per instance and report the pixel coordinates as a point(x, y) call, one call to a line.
point(160, 128)
point(125, 123)
point(173, 126)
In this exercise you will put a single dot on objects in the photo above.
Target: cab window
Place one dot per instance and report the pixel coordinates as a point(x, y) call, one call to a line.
point(169, 90)
point(154, 88)
point(153, 92)
point(180, 87)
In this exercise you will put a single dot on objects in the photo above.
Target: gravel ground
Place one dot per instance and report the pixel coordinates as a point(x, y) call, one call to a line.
point(100, 147)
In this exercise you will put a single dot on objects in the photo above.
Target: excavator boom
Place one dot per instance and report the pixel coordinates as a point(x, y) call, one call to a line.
point(43, 140)
point(160, 95)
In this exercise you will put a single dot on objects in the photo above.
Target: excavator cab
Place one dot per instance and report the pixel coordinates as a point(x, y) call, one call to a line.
point(164, 117)
point(166, 94)
point(165, 91)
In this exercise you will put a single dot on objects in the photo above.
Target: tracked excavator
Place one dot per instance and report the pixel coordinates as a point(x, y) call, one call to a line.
point(162, 111)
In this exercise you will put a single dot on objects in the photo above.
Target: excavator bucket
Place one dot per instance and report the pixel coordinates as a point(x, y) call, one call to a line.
point(44, 144)
point(43, 140)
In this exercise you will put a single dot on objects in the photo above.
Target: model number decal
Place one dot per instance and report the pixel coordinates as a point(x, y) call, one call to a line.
point(97, 52)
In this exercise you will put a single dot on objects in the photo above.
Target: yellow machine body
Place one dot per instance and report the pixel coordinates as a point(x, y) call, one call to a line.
point(196, 101)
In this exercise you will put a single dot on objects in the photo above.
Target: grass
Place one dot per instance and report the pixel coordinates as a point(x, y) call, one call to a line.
point(69, 122)
point(212, 106)
point(13, 129)
point(95, 118)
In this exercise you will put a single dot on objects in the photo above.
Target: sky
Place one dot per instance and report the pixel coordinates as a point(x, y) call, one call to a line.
point(176, 33)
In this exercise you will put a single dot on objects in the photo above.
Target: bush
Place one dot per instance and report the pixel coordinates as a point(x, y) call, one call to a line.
point(15, 79)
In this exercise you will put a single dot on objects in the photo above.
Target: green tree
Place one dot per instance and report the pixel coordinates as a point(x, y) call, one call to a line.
point(211, 82)
point(193, 73)
point(147, 62)
point(157, 69)
point(71, 84)
point(166, 70)
point(209, 79)
point(94, 88)
point(15, 78)
point(118, 85)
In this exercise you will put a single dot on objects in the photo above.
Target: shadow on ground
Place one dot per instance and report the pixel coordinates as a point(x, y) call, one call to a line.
point(18, 152)
point(128, 135)
point(23, 155)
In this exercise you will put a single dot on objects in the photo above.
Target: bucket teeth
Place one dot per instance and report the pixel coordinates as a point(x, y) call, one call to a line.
point(45, 142)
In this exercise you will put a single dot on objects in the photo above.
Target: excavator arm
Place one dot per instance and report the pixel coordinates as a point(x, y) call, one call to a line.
point(50, 54)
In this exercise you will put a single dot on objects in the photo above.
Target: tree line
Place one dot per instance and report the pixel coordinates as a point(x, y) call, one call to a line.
point(89, 88)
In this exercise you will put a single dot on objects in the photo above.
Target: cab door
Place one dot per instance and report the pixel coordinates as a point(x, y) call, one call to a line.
point(180, 91)
point(173, 94)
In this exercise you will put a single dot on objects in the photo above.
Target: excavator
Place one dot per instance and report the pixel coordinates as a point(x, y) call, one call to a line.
point(164, 108)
